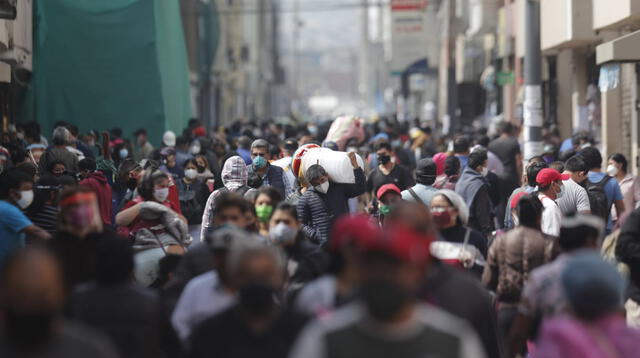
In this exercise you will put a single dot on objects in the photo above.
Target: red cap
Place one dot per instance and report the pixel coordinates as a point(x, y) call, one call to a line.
point(404, 244)
point(439, 159)
point(358, 230)
point(387, 188)
point(548, 175)
point(516, 199)
point(200, 132)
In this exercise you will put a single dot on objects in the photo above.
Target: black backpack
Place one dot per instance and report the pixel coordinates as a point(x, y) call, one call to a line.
point(598, 198)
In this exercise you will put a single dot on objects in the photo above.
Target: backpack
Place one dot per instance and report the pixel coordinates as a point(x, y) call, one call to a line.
point(598, 198)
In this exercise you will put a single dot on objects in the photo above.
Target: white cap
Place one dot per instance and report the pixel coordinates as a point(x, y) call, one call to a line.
point(169, 139)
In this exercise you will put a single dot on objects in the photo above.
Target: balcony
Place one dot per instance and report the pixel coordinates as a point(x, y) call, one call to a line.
point(566, 24)
point(615, 14)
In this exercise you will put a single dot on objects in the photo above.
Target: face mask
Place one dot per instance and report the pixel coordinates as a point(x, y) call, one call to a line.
point(442, 219)
point(384, 159)
point(132, 183)
point(561, 192)
point(259, 162)
point(28, 330)
point(322, 188)
point(190, 173)
point(257, 298)
point(201, 169)
point(81, 216)
point(161, 194)
point(26, 198)
point(516, 220)
point(195, 148)
point(282, 234)
point(383, 299)
point(485, 171)
point(124, 153)
point(385, 210)
point(612, 170)
point(264, 212)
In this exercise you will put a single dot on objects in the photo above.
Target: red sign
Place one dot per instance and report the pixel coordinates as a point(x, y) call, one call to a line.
point(408, 5)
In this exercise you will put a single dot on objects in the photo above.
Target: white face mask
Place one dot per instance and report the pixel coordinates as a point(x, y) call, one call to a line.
point(485, 171)
point(516, 220)
point(26, 198)
point(561, 193)
point(190, 173)
point(322, 188)
point(282, 234)
point(195, 148)
point(124, 153)
point(612, 170)
point(161, 194)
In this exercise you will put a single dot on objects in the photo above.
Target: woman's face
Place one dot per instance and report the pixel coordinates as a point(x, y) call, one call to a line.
point(284, 217)
point(615, 164)
point(200, 163)
point(58, 170)
point(440, 204)
point(190, 165)
point(161, 184)
point(263, 199)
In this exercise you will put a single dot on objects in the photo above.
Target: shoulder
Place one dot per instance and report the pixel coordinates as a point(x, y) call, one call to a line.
point(440, 320)
point(8, 208)
point(208, 279)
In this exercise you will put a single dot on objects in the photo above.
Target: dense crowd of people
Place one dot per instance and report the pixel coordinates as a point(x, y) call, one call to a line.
point(216, 244)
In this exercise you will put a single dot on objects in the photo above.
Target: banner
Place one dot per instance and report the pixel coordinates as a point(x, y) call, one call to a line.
point(408, 33)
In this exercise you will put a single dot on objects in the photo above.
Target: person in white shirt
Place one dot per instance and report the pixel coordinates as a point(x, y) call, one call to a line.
point(551, 188)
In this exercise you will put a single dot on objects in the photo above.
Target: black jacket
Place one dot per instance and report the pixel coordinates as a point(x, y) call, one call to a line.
point(310, 260)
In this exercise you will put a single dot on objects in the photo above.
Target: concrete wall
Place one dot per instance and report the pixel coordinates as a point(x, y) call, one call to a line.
point(614, 13)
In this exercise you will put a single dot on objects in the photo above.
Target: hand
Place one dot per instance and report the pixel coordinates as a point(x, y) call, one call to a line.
point(354, 161)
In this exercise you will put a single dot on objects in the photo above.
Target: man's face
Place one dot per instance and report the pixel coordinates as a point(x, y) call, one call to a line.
point(579, 177)
point(391, 198)
point(231, 215)
point(17, 194)
point(260, 152)
point(260, 268)
point(142, 139)
point(383, 152)
point(320, 181)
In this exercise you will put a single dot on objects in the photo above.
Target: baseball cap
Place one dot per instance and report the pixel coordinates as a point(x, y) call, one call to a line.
point(387, 188)
point(548, 175)
point(200, 132)
point(440, 159)
point(427, 167)
point(404, 244)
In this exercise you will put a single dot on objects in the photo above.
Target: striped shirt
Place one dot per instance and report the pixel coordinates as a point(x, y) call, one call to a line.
point(46, 218)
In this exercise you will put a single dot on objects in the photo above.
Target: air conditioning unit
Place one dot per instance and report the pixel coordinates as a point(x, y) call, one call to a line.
point(8, 9)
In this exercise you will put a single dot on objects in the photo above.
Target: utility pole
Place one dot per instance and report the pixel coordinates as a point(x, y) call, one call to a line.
point(296, 52)
point(447, 92)
point(364, 82)
point(533, 82)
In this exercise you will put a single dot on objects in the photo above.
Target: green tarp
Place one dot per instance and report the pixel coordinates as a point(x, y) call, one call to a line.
point(109, 63)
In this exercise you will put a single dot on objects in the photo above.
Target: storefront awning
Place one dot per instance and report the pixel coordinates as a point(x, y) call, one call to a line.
point(622, 49)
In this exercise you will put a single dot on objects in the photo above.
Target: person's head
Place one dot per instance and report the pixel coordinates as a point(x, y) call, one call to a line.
point(478, 160)
point(581, 140)
point(202, 164)
point(532, 171)
point(114, 262)
point(413, 216)
point(506, 128)
point(260, 148)
point(267, 199)
point(592, 158)
point(289, 146)
point(29, 168)
point(557, 165)
point(141, 136)
point(392, 269)
point(234, 172)
point(191, 169)
point(284, 224)
point(169, 139)
point(87, 166)
point(349, 235)
point(550, 182)
point(617, 164)
point(219, 243)
point(426, 171)
point(528, 211)
point(57, 168)
point(32, 296)
point(384, 152)
point(449, 209)
point(388, 196)
point(577, 168)
point(60, 136)
point(257, 272)
point(452, 166)
point(16, 187)
point(593, 287)
point(154, 186)
point(580, 232)
point(46, 192)
point(232, 210)
point(79, 213)
point(182, 142)
point(168, 156)
point(130, 174)
point(461, 145)
point(318, 178)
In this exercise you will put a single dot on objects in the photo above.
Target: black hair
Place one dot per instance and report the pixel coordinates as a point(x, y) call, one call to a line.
point(73, 129)
point(53, 164)
point(461, 144)
point(530, 211)
point(28, 168)
point(577, 237)
point(273, 193)
point(592, 157)
point(190, 161)
point(482, 140)
point(532, 172)
point(12, 179)
point(167, 265)
point(32, 131)
point(384, 145)
point(68, 180)
point(114, 262)
point(254, 180)
point(576, 164)
point(181, 140)
point(87, 164)
point(228, 200)
point(505, 127)
point(126, 166)
point(619, 158)
point(46, 185)
point(557, 165)
point(452, 166)
point(536, 159)
point(477, 158)
point(564, 156)
point(151, 177)
point(289, 209)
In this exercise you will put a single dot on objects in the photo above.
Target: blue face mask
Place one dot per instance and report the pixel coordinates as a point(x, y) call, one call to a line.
point(259, 162)
point(124, 153)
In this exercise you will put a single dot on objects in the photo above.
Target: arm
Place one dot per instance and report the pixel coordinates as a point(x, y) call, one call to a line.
point(583, 205)
point(482, 207)
point(36, 233)
point(304, 216)
point(636, 194)
point(519, 168)
point(359, 187)
point(617, 198)
point(619, 204)
point(207, 214)
point(518, 335)
point(491, 270)
point(126, 216)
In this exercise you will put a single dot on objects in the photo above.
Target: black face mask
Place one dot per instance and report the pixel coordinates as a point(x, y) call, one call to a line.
point(201, 169)
point(257, 298)
point(28, 330)
point(383, 298)
point(132, 183)
point(384, 159)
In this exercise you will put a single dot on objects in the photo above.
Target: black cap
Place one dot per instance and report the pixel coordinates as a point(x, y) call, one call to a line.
point(290, 144)
point(426, 166)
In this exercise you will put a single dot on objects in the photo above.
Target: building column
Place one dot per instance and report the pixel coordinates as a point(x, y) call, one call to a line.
point(564, 77)
point(579, 88)
point(611, 121)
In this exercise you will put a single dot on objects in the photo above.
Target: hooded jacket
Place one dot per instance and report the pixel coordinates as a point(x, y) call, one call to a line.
point(474, 189)
point(97, 182)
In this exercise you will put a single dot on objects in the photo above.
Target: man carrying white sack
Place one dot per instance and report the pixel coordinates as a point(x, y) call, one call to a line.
point(326, 201)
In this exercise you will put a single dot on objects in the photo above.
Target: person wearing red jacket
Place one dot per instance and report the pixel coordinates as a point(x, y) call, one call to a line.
point(97, 182)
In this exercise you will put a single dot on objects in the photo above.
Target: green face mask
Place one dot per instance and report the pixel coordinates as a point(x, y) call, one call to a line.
point(385, 210)
point(264, 212)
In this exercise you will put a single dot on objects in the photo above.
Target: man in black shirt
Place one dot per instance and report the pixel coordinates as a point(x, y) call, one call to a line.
point(507, 148)
point(388, 172)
